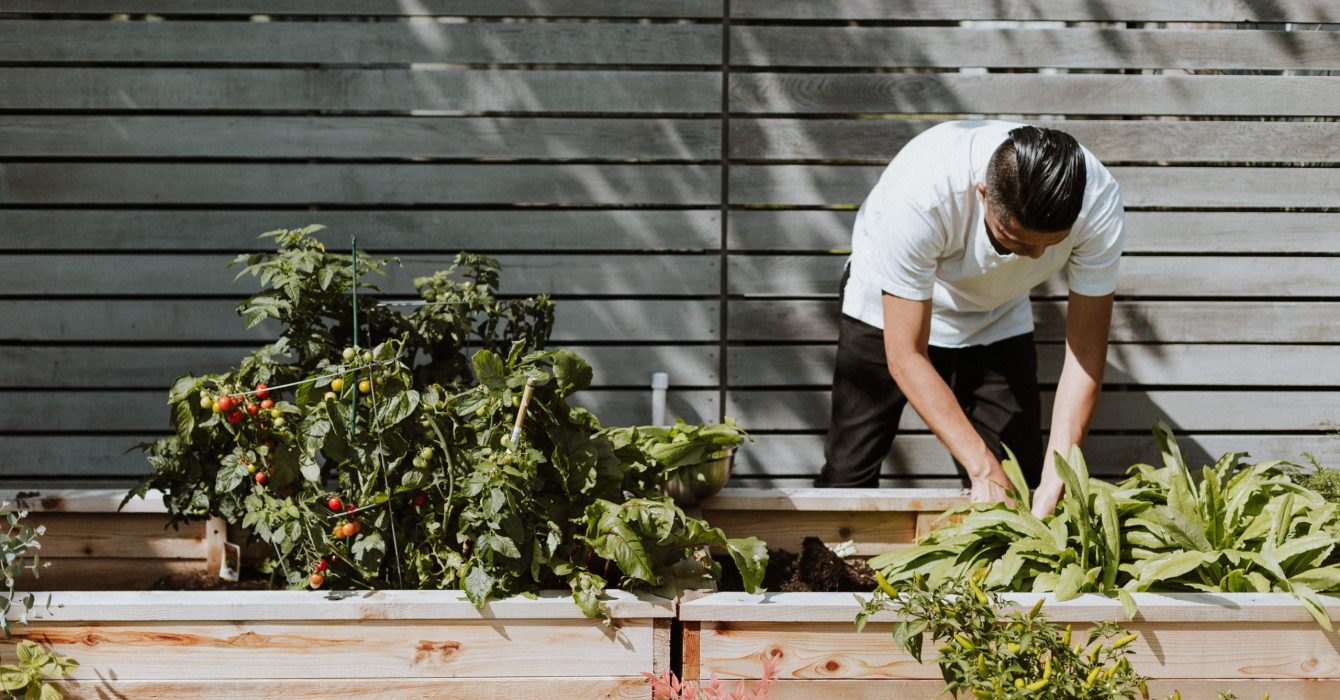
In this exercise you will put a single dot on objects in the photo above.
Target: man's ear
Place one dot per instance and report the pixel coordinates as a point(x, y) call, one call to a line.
point(981, 188)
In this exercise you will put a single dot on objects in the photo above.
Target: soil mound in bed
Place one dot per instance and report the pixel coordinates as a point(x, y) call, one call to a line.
point(815, 570)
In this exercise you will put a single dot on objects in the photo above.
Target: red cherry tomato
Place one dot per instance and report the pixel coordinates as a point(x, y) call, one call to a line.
point(420, 500)
point(225, 403)
point(262, 391)
point(261, 478)
point(235, 415)
point(268, 404)
point(321, 565)
point(335, 503)
point(252, 409)
point(316, 580)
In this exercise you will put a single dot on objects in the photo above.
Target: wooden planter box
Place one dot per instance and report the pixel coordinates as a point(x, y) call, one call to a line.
point(1198, 643)
point(875, 520)
point(90, 545)
point(334, 645)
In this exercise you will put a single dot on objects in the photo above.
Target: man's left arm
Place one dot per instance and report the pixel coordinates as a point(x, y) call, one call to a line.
point(1088, 320)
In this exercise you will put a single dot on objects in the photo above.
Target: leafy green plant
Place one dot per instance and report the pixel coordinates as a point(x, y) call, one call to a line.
point(987, 654)
point(27, 679)
point(1240, 528)
point(18, 553)
point(395, 464)
point(681, 445)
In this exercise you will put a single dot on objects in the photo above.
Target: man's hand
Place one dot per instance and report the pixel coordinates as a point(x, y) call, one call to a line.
point(991, 488)
point(1045, 498)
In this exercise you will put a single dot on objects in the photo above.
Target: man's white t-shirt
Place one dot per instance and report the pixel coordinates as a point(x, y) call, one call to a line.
point(921, 235)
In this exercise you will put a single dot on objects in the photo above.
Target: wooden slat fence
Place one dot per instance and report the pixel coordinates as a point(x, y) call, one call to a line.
point(681, 176)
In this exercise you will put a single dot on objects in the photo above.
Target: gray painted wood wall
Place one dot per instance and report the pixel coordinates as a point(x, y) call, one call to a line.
point(682, 176)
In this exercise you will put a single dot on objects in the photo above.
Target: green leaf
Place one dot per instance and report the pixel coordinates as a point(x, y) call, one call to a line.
point(478, 585)
point(397, 409)
point(489, 370)
point(183, 387)
point(1171, 567)
point(1321, 579)
point(571, 372)
point(184, 420)
point(1107, 515)
point(751, 558)
point(229, 477)
point(1017, 481)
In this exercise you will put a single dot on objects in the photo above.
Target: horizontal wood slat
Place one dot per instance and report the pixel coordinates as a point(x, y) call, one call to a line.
point(370, 650)
point(146, 411)
point(1132, 322)
point(1154, 141)
point(923, 456)
point(1204, 411)
point(359, 90)
point(504, 688)
point(349, 138)
point(169, 320)
point(1180, 276)
point(449, 231)
point(1053, 10)
point(624, 43)
point(883, 47)
point(192, 275)
point(394, 8)
point(1127, 364)
point(950, 93)
point(1181, 187)
point(118, 367)
point(363, 183)
point(1146, 231)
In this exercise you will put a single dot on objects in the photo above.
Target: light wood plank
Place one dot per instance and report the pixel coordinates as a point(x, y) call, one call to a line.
point(1054, 10)
point(391, 8)
point(208, 274)
point(360, 90)
point(1132, 321)
point(51, 136)
point(363, 183)
point(1184, 187)
point(157, 367)
point(368, 649)
point(952, 93)
point(1153, 141)
point(1185, 650)
point(232, 231)
point(1192, 689)
point(1292, 411)
point(87, 500)
point(216, 321)
point(1152, 608)
point(1146, 231)
point(1141, 276)
point(883, 47)
point(146, 411)
point(1143, 365)
point(589, 688)
point(184, 41)
point(920, 456)
point(102, 536)
point(870, 533)
point(316, 607)
point(845, 500)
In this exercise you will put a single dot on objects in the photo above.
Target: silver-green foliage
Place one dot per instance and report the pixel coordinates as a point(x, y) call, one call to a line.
point(1240, 528)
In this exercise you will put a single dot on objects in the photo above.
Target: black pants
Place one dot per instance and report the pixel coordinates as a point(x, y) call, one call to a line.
point(996, 384)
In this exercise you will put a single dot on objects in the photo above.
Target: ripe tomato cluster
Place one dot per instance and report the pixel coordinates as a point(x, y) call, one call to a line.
point(236, 408)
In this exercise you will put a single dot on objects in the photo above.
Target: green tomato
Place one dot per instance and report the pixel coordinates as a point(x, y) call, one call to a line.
point(367, 357)
point(426, 454)
point(481, 412)
point(279, 422)
point(349, 354)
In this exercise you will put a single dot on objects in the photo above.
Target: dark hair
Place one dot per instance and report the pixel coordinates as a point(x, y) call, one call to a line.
point(1037, 177)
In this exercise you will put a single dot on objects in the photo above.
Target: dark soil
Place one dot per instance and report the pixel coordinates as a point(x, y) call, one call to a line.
point(816, 569)
point(251, 580)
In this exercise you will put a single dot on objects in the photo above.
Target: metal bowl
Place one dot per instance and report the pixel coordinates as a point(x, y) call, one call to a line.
point(696, 482)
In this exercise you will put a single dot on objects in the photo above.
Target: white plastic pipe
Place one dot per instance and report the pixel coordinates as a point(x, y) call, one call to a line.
point(660, 381)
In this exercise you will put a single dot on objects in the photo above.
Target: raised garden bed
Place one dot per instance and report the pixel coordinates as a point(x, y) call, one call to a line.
point(1197, 643)
point(391, 644)
point(874, 520)
point(91, 545)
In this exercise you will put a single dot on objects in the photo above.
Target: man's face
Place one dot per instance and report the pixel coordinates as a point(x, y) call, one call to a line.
point(1009, 238)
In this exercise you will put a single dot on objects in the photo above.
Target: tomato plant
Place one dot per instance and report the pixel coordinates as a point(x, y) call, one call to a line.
point(421, 441)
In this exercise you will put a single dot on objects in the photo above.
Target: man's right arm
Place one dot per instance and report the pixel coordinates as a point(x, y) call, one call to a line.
point(907, 327)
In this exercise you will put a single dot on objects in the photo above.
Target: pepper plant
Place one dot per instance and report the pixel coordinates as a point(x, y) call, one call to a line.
point(395, 464)
point(988, 653)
